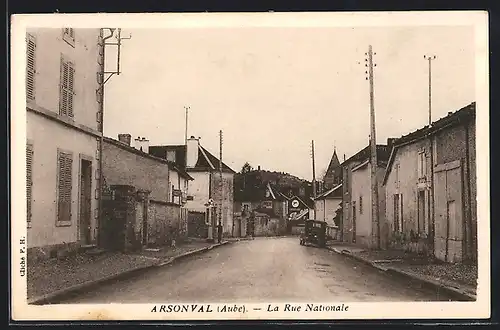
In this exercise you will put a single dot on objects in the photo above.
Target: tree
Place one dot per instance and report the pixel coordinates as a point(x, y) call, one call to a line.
point(246, 168)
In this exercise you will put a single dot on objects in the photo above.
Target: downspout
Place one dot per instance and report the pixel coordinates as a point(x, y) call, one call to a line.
point(101, 143)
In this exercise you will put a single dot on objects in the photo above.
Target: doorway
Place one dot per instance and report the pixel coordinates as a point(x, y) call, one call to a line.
point(85, 201)
point(422, 221)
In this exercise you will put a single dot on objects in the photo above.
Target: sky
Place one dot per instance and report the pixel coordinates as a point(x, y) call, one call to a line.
point(272, 90)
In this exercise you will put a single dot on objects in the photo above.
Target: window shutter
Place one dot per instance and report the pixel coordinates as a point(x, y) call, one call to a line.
point(30, 67)
point(65, 187)
point(29, 179)
point(71, 87)
point(63, 111)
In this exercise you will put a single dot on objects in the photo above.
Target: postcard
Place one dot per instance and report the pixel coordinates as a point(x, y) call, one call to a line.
point(250, 166)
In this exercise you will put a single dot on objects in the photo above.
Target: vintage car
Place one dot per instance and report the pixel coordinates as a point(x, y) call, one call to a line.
point(314, 233)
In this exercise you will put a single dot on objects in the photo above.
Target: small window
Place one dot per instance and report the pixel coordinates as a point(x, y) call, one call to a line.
point(64, 186)
point(30, 66)
point(360, 204)
point(69, 36)
point(421, 165)
point(66, 88)
point(29, 180)
point(171, 155)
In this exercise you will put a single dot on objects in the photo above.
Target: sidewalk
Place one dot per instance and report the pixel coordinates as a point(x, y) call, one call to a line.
point(51, 279)
point(458, 279)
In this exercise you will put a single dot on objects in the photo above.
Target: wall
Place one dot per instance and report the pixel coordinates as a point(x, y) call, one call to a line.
point(47, 136)
point(199, 188)
point(326, 209)
point(122, 166)
point(228, 198)
point(164, 223)
point(403, 179)
point(458, 143)
point(361, 186)
point(49, 47)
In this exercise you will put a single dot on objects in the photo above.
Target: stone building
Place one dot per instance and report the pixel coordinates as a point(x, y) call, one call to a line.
point(64, 111)
point(156, 214)
point(206, 185)
point(431, 201)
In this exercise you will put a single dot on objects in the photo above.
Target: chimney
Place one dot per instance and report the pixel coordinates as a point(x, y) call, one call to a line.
point(192, 146)
point(142, 144)
point(125, 138)
point(344, 157)
point(390, 142)
point(258, 168)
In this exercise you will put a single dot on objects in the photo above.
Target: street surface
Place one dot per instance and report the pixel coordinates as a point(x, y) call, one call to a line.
point(261, 270)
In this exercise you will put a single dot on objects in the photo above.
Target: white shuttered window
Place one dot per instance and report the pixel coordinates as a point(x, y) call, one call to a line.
point(66, 88)
point(30, 66)
point(64, 186)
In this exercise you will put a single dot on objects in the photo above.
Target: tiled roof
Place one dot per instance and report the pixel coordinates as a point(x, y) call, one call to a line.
point(466, 113)
point(327, 193)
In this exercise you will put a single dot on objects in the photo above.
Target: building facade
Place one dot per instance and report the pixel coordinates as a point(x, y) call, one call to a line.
point(431, 189)
point(206, 185)
point(64, 111)
point(327, 204)
point(359, 225)
point(158, 214)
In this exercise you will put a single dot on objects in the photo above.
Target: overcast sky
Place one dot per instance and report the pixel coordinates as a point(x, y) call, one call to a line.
point(273, 90)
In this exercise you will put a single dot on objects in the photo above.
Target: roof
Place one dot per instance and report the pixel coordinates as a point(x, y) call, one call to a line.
point(333, 165)
point(206, 160)
point(128, 148)
point(383, 154)
point(329, 193)
point(464, 114)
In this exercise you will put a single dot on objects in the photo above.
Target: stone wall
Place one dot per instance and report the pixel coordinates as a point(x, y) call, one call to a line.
point(228, 199)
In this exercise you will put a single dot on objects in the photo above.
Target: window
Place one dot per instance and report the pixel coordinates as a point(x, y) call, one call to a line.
point(66, 88)
point(421, 165)
point(64, 187)
point(398, 212)
point(69, 36)
point(396, 175)
point(173, 195)
point(360, 204)
point(171, 155)
point(29, 181)
point(30, 66)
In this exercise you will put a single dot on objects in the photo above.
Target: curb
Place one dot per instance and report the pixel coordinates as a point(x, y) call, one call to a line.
point(188, 254)
point(55, 296)
point(437, 285)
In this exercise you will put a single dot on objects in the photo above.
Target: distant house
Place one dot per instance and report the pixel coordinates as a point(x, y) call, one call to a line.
point(359, 224)
point(333, 175)
point(155, 216)
point(327, 204)
point(203, 167)
point(435, 213)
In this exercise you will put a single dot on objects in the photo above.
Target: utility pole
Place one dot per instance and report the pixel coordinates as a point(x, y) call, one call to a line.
point(430, 205)
point(221, 182)
point(313, 176)
point(373, 147)
point(186, 127)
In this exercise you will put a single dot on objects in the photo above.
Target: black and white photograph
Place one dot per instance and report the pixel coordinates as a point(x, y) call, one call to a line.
point(250, 166)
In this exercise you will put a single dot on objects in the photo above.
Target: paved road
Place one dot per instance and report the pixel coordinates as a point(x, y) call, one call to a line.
point(261, 270)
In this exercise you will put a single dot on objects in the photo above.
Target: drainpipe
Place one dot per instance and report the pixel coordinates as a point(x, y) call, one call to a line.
point(101, 176)
point(470, 231)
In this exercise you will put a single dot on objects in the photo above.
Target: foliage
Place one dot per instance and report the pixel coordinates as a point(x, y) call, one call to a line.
point(246, 168)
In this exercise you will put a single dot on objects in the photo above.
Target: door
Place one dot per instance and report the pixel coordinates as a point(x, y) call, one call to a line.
point(422, 219)
point(448, 206)
point(85, 201)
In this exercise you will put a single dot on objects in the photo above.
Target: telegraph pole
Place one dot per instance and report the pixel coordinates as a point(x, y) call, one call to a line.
point(430, 205)
point(313, 176)
point(186, 126)
point(221, 182)
point(373, 147)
